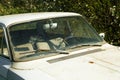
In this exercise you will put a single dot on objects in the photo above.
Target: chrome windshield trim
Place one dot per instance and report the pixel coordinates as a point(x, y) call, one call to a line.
point(7, 41)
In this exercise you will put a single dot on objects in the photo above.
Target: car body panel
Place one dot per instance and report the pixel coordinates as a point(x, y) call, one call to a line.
point(100, 65)
point(5, 64)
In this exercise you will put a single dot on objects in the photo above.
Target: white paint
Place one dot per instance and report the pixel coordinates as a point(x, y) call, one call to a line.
point(103, 65)
point(18, 18)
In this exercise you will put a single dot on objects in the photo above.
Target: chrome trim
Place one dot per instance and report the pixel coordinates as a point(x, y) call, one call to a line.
point(7, 41)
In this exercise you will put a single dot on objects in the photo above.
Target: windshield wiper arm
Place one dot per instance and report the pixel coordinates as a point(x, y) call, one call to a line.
point(56, 51)
point(76, 46)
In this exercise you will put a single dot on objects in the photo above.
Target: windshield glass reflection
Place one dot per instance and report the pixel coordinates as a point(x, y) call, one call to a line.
point(42, 38)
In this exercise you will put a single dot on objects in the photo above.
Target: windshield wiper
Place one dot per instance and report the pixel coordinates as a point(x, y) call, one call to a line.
point(76, 46)
point(55, 51)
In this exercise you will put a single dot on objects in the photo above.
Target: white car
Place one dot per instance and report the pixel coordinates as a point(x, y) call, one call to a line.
point(54, 46)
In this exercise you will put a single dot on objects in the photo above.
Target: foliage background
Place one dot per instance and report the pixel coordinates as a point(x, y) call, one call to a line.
point(104, 15)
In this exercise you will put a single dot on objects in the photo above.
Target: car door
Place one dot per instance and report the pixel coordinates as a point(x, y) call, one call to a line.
point(4, 57)
point(4, 66)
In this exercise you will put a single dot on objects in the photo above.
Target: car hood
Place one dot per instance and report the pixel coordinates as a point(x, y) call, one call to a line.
point(98, 63)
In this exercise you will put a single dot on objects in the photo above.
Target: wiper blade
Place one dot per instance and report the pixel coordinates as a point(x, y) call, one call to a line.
point(56, 51)
point(76, 46)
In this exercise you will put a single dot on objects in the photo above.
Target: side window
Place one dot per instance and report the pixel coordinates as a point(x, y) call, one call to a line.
point(3, 46)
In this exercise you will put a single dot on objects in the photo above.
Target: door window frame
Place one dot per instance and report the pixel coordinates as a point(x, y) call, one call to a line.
point(5, 34)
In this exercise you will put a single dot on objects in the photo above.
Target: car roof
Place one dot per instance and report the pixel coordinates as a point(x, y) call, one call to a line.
point(26, 17)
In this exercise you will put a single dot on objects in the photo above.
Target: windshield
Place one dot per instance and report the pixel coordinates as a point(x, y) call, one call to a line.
point(39, 39)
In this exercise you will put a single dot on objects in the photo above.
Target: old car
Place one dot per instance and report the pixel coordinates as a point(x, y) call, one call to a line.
point(54, 46)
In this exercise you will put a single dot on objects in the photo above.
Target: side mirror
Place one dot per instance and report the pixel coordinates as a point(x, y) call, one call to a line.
point(102, 35)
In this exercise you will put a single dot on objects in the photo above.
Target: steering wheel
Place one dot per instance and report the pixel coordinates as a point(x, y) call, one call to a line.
point(66, 41)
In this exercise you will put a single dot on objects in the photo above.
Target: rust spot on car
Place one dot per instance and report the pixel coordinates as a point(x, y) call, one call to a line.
point(91, 62)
